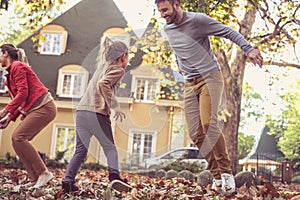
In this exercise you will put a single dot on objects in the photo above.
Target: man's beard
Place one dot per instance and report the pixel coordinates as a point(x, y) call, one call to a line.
point(173, 16)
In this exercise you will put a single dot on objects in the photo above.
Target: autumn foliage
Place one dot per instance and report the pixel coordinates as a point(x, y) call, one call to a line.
point(95, 185)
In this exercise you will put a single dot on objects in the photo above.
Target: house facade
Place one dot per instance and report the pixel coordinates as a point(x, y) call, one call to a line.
point(266, 158)
point(65, 60)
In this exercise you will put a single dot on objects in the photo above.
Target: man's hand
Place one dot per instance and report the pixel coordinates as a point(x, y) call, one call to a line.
point(118, 114)
point(4, 122)
point(255, 57)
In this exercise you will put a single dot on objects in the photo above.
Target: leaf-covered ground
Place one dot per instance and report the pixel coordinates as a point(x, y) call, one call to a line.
point(95, 185)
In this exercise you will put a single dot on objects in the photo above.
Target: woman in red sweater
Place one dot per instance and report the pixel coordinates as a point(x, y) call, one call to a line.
point(32, 100)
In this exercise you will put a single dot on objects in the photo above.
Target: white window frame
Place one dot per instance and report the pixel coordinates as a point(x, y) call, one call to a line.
point(118, 34)
point(3, 78)
point(72, 84)
point(73, 73)
point(54, 31)
point(142, 133)
point(54, 138)
point(134, 88)
point(125, 38)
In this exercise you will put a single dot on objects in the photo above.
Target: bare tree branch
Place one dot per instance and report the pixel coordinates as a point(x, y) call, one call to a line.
point(295, 52)
point(277, 29)
point(282, 64)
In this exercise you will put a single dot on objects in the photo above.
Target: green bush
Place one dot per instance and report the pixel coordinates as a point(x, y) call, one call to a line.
point(171, 174)
point(11, 162)
point(53, 163)
point(296, 179)
point(179, 166)
point(93, 166)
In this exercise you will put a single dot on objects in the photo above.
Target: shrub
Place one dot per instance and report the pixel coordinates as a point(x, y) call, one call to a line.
point(171, 174)
point(205, 178)
point(296, 179)
point(12, 162)
point(93, 166)
point(160, 173)
point(246, 177)
point(188, 175)
point(179, 166)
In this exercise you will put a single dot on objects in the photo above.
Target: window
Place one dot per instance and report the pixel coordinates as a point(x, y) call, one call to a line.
point(54, 40)
point(52, 44)
point(118, 34)
point(146, 89)
point(71, 85)
point(64, 140)
point(72, 81)
point(141, 146)
point(2, 81)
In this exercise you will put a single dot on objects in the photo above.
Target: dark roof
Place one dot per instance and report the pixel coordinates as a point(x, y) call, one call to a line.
point(85, 23)
point(267, 147)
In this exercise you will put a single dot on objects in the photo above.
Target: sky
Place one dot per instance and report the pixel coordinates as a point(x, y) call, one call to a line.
point(138, 14)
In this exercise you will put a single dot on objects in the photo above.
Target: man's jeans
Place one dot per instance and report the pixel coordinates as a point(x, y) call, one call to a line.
point(202, 102)
point(87, 125)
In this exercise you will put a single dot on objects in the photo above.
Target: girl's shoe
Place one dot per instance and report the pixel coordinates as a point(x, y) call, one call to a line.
point(118, 184)
point(69, 187)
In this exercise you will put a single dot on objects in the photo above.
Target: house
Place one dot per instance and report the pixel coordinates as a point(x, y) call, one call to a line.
point(266, 154)
point(65, 61)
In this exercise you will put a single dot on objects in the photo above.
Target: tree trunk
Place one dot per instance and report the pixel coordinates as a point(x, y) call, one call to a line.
point(233, 81)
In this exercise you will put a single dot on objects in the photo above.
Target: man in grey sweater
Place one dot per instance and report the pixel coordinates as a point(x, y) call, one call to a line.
point(188, 34)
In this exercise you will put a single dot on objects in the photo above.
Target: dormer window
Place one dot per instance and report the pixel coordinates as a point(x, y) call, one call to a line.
point(72, 81)
point(146, 89)
point(54, 40)
point(118, 34)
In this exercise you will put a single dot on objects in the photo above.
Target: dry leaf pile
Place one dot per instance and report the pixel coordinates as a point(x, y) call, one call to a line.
point(95, 185)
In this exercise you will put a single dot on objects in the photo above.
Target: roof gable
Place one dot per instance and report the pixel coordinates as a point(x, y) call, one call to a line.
point(85, 23)
point(267, 147)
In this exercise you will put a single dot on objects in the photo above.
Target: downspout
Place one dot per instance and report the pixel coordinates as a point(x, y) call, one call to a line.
point(171, 114)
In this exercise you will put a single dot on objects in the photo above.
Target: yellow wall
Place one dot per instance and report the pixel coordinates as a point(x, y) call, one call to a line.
point(42, 142)
point(146, 117)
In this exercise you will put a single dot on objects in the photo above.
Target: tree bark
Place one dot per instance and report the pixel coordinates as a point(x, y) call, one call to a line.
point(233, 81)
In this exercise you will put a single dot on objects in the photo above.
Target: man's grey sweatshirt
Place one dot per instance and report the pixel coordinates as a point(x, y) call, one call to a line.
point(190, 41)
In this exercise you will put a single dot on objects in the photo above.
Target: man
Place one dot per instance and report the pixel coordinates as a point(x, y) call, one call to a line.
point(188, 34)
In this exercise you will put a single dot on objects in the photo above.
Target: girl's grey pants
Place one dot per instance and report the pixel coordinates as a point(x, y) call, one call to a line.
point(87, 125)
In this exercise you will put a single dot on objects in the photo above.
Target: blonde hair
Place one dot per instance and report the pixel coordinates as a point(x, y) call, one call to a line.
point(22, 56)
point(110, 51)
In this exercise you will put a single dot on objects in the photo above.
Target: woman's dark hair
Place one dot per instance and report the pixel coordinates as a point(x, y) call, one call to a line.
point(14, 52)
point(11, 50)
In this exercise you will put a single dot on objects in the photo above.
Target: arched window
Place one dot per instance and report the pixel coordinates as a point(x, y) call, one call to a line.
point(72, 81)
point(53, 41)
point(118, 34)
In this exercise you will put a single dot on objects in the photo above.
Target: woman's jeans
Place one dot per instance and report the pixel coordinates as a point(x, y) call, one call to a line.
point(32, 124)
point(87, 125)
point(202, 102)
